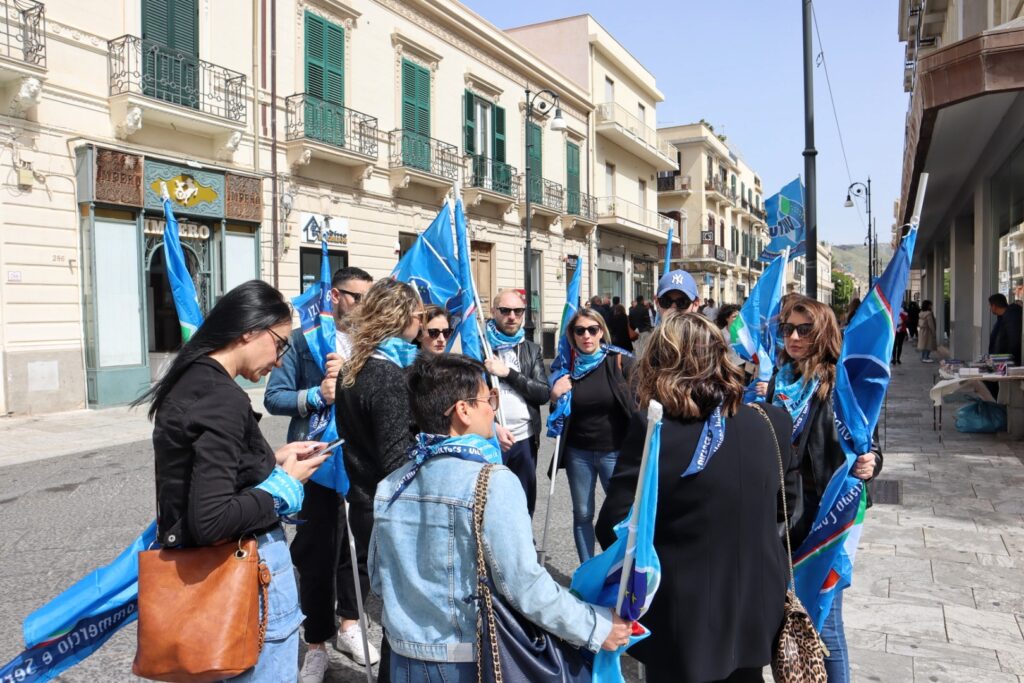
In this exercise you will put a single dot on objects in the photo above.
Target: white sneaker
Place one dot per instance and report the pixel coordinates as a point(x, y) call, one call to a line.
point(350, 642)
point(314, 666)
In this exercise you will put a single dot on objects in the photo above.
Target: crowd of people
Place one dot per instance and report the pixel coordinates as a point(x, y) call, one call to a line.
point(422, 425)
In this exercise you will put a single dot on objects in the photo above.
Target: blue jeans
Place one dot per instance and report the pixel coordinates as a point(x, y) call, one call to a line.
point(583, 469)
point(926, 354)
point(837, 664)
point(406, 670)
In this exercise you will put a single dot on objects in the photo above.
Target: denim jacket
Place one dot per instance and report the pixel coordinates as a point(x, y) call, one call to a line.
point(422, 562)
point(286, 388)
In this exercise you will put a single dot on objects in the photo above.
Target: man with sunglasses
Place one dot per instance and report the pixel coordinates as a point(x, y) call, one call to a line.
point(677, 289)
point(519, 366)
point(326, 587)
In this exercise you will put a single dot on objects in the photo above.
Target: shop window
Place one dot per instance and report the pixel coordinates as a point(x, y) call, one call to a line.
point(118, 300)
point(405, 242)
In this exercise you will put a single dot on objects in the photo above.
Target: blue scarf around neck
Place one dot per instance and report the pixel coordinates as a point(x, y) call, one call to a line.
point(794, 393)
point(396, 350)
point(711, 438)
point(500, 341)
point(471, 447)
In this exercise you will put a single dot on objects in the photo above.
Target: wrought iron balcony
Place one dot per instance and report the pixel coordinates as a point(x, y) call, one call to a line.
point(625, 214)
point(674, 183)
point(23, 31)
point(332, 124)
point(414, 151)
point(496, 176)
point(146, 67)
point(545, 192)
point(581, 204)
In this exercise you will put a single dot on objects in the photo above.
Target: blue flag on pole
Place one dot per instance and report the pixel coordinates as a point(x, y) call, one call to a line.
point(668, 250)
point(467, 328)
point(316, 318)
point(562, 364)
point(823, 564)
point(786, 224)
point(431, 265)
point(186, 303)
point(752, 333)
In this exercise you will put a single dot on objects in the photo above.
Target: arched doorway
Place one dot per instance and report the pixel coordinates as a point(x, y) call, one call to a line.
point(163, 330)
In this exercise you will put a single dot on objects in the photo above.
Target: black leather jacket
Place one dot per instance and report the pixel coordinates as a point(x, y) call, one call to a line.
point(530, 382)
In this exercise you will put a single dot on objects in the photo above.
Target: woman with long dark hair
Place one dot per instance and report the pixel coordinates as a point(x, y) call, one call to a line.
point(217, 478)
point(436, 332)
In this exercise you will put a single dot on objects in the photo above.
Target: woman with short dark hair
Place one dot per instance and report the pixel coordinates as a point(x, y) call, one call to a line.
point(436, 331)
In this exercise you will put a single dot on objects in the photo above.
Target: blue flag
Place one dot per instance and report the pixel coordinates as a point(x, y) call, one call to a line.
point(431, 265)
point(562, 364)
point(823, 564)
point(186, 303)
point(77, 622)
point(316, 318)
point(467, 329)
point(752, 333)
point(786, 224)
point(668, 249)
point(599, 579)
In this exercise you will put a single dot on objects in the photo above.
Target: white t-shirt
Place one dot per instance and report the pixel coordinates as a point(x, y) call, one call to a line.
point(343, 344)
point(517, 413)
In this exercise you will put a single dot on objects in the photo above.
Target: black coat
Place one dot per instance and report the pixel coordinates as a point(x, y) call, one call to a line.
point(1006, 333)
point(209, 453)
point(723, 570)
point(530, 381)
point(619, 328)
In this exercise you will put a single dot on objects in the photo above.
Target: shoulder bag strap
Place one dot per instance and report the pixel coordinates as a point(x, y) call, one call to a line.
point(485, 604)
point(782, 483)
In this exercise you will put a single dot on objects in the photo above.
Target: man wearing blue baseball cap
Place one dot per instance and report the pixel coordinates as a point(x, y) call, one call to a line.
point(678, 289)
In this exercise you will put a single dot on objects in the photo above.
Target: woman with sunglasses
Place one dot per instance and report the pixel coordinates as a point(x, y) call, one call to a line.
point(436, 332)
point(217, 478)
point(803, 386)
point(601, 405)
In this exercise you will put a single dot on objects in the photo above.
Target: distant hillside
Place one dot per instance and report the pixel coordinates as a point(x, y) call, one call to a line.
point(854, 258)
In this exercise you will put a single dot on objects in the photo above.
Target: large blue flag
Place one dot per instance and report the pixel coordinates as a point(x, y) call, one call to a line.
point(316, 318)
point(823, 564)
point(562, 364)
point(599, 580)
point(77, 622)
point(431, 265)
point(186, 303)
point(786, 225)
point(752, 333)
point(468, 328)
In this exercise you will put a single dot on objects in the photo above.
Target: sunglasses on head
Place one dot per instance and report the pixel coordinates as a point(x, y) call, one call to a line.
point(504, 310)
point(592, 330)
point(445, 332)
point(682, 302)
point(802, 330)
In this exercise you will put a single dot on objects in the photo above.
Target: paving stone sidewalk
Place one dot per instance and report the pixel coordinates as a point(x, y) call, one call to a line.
point(938, 588)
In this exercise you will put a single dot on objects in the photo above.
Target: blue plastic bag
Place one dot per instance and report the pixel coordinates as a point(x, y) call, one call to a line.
point(981, 417)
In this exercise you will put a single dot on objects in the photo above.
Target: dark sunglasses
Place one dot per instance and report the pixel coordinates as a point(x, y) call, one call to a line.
point(356, 296)
point(592, 330)
point(492, 401)
point(434, 334)
point(282, 344)
point(667, 302)
point(802, 330)
point(511, 311)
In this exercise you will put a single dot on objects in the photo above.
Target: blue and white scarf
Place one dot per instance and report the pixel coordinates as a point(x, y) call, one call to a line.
point(500, 341)
point(467, 447)
point(396, 350)
point(794, 393)
point(582, 365)
point(711, 438)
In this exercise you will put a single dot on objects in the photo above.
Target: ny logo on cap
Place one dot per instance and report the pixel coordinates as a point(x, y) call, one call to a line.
point(677, 279)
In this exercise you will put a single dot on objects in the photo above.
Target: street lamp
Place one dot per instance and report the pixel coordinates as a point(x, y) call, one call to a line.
point(557, 124)
point(862, 190)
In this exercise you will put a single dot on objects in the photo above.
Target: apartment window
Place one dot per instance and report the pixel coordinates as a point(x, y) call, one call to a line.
point(711, 168)
point(641, 112)
point(609, 180)
point(172, 25)
point(484, 140)
point(405, 242)
point(609, 90)
point(743, 191)
point(642, 193)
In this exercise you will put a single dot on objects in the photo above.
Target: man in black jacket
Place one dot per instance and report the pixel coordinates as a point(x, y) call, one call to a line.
point(1006, 333)
point(519, 366)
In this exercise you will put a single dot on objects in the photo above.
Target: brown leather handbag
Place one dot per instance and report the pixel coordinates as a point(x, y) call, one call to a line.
point(199, 612)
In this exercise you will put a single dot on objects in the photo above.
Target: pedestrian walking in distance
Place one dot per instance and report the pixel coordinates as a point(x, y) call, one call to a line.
point(927, 340)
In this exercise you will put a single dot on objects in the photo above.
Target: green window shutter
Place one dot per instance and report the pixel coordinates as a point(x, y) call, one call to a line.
point(156, 21)
point(572, 177)
point(334, 64)
point(316, 65)
point(408, 96)
point(415, 98)
point(185, 29)
point(422, 101)
point(469, 122)
point(534, 159)
point(498, 129)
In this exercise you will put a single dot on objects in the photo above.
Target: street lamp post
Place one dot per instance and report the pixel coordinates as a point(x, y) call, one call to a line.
point(861, 190)
point(557, 124)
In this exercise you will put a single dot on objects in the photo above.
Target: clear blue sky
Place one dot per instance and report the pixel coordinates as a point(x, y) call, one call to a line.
point(738, 65)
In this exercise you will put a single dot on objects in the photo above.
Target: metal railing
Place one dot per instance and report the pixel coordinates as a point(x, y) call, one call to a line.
point(759, 213)
point(423, 153)
point(622, 209)
point(715, 185)
point(23, 31)
point(313, 119)
point(146, 67)
point(674, 183)
point(496, 176)
point(545, 192)
point(581, 204)
point(610, 112)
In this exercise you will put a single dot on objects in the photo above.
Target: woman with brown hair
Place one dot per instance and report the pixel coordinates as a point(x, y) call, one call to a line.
point(437, 330)
point(803, 386)
point(723, 581)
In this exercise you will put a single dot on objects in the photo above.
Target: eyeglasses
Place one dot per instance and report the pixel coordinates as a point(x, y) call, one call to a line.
point(682, 303)
point(435, 333)
point(511, 311)
point(356, 296)
point(282, 344)
point(592, 330)
point(492, 401)
point(802, 330)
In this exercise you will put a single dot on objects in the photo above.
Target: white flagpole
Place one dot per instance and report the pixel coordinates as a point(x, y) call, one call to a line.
point(363, 625)
point(654, 414)
point(542, 552)
point(922, 185)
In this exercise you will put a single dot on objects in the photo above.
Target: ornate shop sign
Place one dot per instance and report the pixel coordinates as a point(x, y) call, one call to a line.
point(187, 230)
point(244, 198)
point(118, 178)
point(195, 192)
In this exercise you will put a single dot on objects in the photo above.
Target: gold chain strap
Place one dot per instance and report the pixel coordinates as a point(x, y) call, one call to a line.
point(483, 590)
point(782, 484)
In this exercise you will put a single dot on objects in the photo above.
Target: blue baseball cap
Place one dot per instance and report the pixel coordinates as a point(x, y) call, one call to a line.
point(680, 281)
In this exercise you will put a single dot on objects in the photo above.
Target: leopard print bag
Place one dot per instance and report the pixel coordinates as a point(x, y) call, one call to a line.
point(799, 655)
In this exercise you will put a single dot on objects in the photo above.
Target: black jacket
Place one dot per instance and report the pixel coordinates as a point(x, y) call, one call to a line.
point(1006, 333)
point(640, 319)
point(530, 381)
point(375, 419)
point(724, 571)
point(209, 454)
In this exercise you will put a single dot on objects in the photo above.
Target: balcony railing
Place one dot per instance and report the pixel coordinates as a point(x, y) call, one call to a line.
point(622, 209)
point(545, 192)
point(313, 119)
point(496, 176)
point(23, 31)
point(759, 213)
point(674, 183)
point(581, 204)
point(423, 153)
point(610, 112)
point(149, 68)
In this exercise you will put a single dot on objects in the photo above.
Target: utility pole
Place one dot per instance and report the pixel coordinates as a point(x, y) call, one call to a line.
point(810, 170)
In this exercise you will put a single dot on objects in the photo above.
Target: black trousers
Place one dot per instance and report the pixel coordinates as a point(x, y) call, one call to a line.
point(897, 352)
point(321, 555)
point(522, 460)
point(360, 519)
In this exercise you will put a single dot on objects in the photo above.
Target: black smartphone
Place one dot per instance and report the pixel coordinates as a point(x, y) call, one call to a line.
point(329, 447)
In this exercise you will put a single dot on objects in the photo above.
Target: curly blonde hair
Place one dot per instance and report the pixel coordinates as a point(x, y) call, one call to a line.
point(387, 309)
point(685, 367)
point(824, 345)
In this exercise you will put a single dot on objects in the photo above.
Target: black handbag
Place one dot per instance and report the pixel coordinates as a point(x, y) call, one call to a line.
point(509, 647)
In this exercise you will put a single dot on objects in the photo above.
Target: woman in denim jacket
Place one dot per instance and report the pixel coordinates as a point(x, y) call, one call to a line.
point(422, 554)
